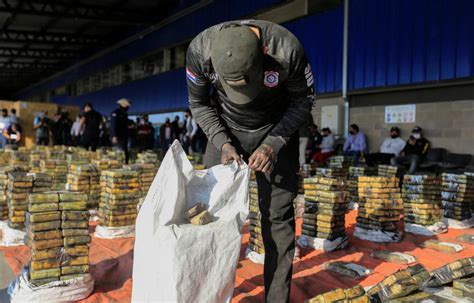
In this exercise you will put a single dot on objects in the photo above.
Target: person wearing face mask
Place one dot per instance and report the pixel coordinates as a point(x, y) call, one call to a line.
point(327, 147)
point(391, 147)
point(414, 151)
point(4, 123)
point(356, 144)
point(250, 88)
point(119, 126)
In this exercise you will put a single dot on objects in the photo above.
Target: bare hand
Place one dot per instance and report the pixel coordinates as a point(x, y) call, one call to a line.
point(229, 153)
point(114, 140)
point(262, 159)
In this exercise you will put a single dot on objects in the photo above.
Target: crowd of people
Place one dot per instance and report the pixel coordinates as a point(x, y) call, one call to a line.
point(91, 130)
point(317, 147)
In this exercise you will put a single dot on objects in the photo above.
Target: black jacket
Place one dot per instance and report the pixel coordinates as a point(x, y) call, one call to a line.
point(119, 124)
point(281, 106)
point(420, 148)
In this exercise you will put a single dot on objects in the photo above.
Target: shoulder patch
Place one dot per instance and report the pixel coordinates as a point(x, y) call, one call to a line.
point(271, 79)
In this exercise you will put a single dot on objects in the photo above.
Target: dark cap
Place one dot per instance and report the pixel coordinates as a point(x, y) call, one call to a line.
point(395, 128)
point(326, 129)
point(237, 57)
point(416, 129)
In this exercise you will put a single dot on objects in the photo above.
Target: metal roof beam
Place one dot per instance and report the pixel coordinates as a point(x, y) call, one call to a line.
point(24, 65)
point(9, 52)
point(61, 9)
point(21, 36)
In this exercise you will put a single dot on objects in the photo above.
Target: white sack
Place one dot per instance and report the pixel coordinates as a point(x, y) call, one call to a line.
point(11, 236)
point(175, 261)
point(430, 230)
point(456, 224)
point(105, 232)
point(323, 244)
point(20, 290)
point(254, 256)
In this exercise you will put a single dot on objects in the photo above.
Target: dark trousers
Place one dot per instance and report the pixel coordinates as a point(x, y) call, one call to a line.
point(122, 144)
point(378, 158)
point(42, 141)
point(411, 160)
point(90, 142)
point(276, 192)
point(354, 153)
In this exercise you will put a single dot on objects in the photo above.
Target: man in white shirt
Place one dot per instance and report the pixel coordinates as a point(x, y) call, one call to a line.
point(391, 147)
point(4, 124)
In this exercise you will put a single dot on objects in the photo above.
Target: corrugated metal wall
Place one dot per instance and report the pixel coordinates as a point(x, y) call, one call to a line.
point(403, 42)
point(391, 43)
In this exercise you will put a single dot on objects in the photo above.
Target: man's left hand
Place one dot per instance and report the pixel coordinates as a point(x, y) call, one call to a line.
point(262, 159)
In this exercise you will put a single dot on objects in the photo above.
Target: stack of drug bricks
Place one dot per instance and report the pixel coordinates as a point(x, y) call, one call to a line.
point(355, 294)
point(422, 199)
point(390, 171)
point(85, 178)
point(380, 204)
point(20, 158)
point(20, 185)
point(400, 284)
point(457, 196)
point(146, 173)
point(4, 170)
point(464, 288)
point(340, 161)
point(256, 239)
point(57, 169)
point(148, 157)
point(326, 203)
point(352, 183)
point(57, 234)
point(35, 160)
point(120, 197)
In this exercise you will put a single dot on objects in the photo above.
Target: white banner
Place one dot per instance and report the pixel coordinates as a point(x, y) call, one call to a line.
point(400, 113)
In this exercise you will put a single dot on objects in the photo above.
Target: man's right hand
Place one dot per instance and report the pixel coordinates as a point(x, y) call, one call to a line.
point(114, 140)
point(229, 153)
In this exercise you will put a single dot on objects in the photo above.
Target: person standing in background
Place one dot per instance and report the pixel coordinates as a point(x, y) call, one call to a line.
point(4, 123)
point(90, 124)
point(191, 130)
point(145, 134)
point(13, 117)
point(304, 138)
point(76, 131)
point(176, 129)
point(119, 126)
point(326, 147)
point(41, 125)
point(166, 135)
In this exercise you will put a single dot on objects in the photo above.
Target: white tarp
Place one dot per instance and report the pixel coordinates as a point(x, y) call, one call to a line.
point(21, 290)
point(178, 262)
point(323, 244)
point(377, 235)
point(456, 224)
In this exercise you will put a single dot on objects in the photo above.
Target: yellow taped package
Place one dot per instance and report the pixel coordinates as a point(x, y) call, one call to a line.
point(43, 198)
point(45, 273)
point(119, 217)
point(44, 216)
point(45, 244)
point(43, 226)
point(79, 269)
point(16, 213)
point(77, 250)
point(70, 277)
point(76, 240)
point(43, 207)
point(76, 205)
point(124, 209)
point(72, 196)
point(74, 224)
point(45, 264)
point(44, 235)
point(74, 261)
point(19, 219)
point(75, 232)
point(75, 215)
point(116, 223)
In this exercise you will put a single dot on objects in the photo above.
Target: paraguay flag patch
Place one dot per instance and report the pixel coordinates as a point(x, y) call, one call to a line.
point(193, 78)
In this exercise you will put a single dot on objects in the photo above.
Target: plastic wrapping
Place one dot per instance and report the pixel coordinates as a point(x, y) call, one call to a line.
point(431, 230)
point(393, 257)
point(454, 270)
point(446, 247)
point(323, 244)
point(351, 270)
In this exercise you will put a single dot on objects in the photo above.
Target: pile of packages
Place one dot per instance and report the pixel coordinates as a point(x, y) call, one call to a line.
point(106, 164)
point(390, 171)
point(464, 288)
point(4, 170)
point(256, 239)
point(20, 185)
point(57, 234)
point(340, 161)
point(380, 208)
point(308, 170)
point(340, 173)
point(457, 197)
point(148, 157)
point(326, 203)
point(57, 169)
point(422, 204)
point(400, 284)
point(20, 158)
point(355, 294)
point(35, 160)
point(452, 271)
point(146, 174)
point(85, 178)
point(199, 215)
point(120, 197)
point(352, 183)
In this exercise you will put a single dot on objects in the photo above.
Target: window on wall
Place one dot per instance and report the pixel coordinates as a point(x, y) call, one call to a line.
point(162, 60)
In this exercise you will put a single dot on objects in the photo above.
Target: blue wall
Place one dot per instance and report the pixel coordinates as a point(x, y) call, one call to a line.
point(391, 43)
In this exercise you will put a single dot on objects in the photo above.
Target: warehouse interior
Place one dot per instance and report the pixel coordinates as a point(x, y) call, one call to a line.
point(379, 65)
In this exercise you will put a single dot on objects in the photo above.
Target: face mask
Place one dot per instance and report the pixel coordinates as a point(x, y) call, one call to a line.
point(351, 132)
point(394, 136)
point(416, 136)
